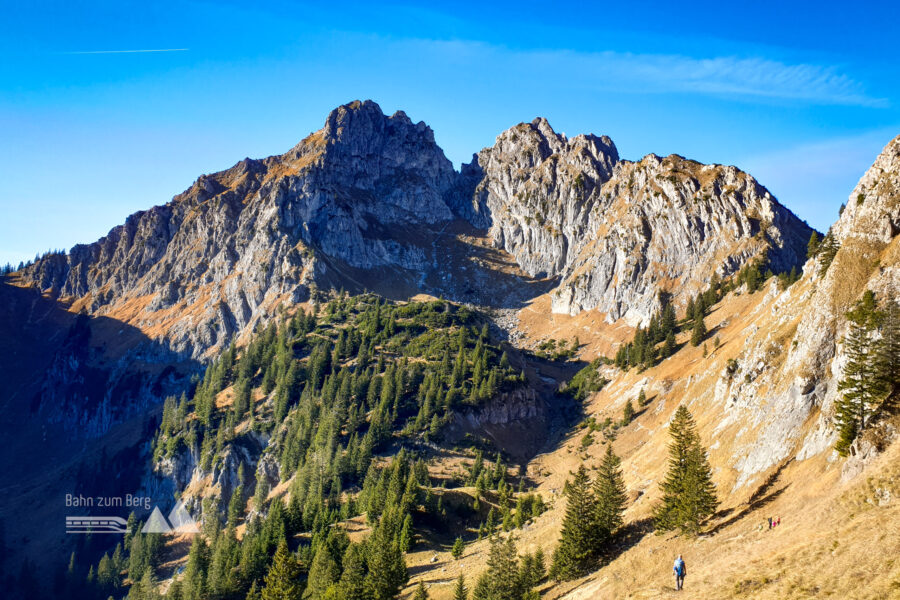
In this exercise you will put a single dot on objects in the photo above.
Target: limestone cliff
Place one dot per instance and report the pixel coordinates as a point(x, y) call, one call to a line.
point(371, 202)
point(616, 231)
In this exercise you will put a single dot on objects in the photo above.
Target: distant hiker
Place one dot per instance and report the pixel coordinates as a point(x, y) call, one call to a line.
point(680, 571)
point(770, 522)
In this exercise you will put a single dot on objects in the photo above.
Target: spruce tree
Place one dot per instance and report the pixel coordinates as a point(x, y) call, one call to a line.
point(890, 346)
point(283, 579)
point(827, 251)
point(576, 547)
point(353, 583)
point(627, 413)
point(387, 567)
point(688, 492)
point(540, 569)
point(501, 580)
point(421, 592)
point(669, 345)
point(253, 593)
point(863, 385)
point(609, 491)
point(459, 590)
point(812, 248)
point(698, 333)
point(406, 534)
point(458, 547)
point(322, 574)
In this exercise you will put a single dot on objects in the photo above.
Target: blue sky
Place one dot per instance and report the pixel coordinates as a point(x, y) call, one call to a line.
point(803, 94)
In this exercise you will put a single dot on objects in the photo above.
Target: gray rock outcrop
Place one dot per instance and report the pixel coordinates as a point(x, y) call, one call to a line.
point(614, 232)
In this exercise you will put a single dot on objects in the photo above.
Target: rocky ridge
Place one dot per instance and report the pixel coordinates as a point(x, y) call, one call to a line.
point(370, 201)
point(614, 231)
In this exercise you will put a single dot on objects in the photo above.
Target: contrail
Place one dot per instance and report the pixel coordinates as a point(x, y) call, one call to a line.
point(129, 51)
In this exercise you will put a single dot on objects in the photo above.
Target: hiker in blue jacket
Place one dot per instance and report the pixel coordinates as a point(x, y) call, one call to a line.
point(680, 571)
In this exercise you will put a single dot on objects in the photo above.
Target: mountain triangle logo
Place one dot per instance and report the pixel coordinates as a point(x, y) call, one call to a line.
point(179, 521)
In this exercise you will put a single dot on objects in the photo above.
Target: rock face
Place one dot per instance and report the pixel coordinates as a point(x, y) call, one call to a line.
point(616, 231)
point(790, 392)
point(371, 202)
point(868, 258)
point(536, 192)
point(207, 265)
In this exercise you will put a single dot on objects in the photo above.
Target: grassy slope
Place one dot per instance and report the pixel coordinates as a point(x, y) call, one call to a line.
point(832, 542)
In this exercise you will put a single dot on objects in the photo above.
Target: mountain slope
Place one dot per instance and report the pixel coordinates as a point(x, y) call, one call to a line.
point(763, 389)
point(370, 201)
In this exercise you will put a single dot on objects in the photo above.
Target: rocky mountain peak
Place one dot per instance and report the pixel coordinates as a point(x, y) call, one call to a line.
point(366, 202)
point(360, 131)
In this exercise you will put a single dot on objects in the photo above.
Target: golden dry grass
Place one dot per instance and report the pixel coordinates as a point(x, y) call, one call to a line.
point(833, 541)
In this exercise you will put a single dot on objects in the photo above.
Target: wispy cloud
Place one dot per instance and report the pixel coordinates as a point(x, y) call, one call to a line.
point(128, 51)
point(733, 76)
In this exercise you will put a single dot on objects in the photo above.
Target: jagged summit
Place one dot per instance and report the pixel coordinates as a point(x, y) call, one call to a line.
point(615, 231)
point(370, 201)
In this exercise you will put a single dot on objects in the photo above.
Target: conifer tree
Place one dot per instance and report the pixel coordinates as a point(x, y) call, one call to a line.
point(421, 592)
point(689, 494)
point(107, 575)
point(890, 346)
point(406, 534)
point(698, 333)
point(627, 413)
point(501, 580)
point(459, 590)
point(283, 579)
point(145, 589)
point(540, 568)
point(458, 547)
point(262, 492)
point(236, 505)
point(609, 491)
point(669, 345)
point(576, 547)
point(323, 573)
point(387, 567)
point(254, 593)
point(353, 583)
point(863, 385)
point(642, 398)
point(812, 247)
point(827, 251)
